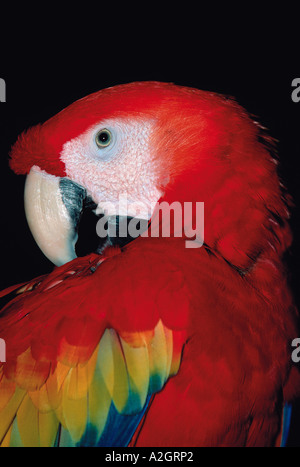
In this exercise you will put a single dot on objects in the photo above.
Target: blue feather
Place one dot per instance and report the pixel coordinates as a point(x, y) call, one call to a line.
point(287, 415)
point(118, 431)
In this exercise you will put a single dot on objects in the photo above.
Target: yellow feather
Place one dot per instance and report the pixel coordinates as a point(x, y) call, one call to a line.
point(48, 427)
point(137, 339)
point(55, 391)
point(15, 440)
point(7, 390)
point(69, 354)
point(80, 378)
point(137, 363)
point(8, 413)
point(77, 383)
point(121, 384)
point(169, 349)
point(158, 358)
point(28, 423)
point(74, 412)
point(40, 399)
point(99, 402)
point(178, 344)
point(105, 361)
point(59, 412)
point(30, 374)
point(6, 440)
point(61, 373)
point(54, 385)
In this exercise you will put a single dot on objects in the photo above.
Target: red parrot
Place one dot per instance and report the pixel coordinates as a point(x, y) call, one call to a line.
point(151, 341)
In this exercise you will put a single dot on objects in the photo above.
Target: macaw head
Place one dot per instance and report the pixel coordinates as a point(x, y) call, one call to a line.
point(124, 149)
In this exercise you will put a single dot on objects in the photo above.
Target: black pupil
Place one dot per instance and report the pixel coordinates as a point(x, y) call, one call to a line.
point(103, 137)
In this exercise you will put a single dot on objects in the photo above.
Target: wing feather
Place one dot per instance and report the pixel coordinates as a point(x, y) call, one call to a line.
point(90, 380)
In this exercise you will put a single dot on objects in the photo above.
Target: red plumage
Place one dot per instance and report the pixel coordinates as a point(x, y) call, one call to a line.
point(229, 300)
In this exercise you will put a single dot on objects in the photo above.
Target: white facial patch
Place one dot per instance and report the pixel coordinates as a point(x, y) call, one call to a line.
point(122, 177)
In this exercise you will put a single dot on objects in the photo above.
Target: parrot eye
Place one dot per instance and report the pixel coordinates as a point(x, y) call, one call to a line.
point(103, 138)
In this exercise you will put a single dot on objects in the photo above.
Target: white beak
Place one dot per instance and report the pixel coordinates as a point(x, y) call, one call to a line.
point(53, 208)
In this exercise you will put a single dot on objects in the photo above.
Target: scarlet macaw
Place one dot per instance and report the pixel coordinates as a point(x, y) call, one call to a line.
point(150, 343)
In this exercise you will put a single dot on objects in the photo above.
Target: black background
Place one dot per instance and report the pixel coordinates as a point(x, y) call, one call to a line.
point(44, 76)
